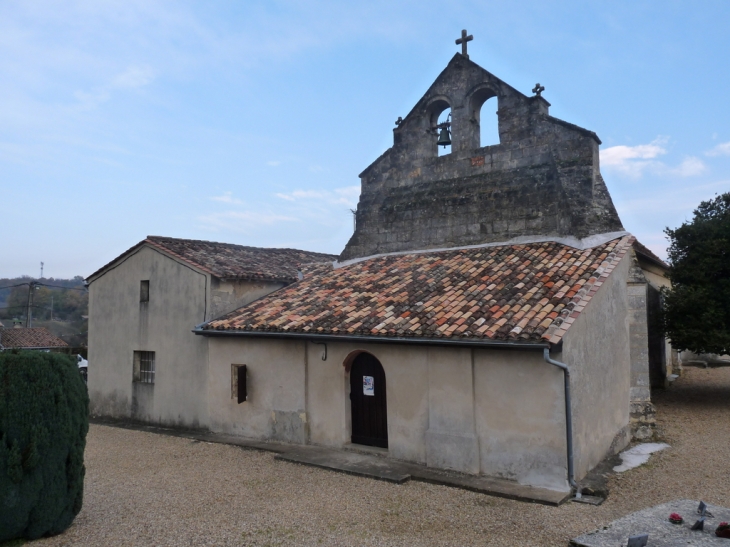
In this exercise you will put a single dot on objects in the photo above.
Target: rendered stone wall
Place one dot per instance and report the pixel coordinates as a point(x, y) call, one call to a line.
point(542, 179)
point(642, 410)
point(596, 348)
point(229, 295)
point(119, 325)
point(490, 412)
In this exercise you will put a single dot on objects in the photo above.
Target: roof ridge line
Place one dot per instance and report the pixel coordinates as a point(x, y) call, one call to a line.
point(161, 247)
point(227, 244)
point(588, 242)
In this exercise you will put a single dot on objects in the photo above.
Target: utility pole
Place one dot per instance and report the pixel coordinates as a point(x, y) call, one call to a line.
point(41, 270)
point(32, 286)
point(51, 308)
point(28, 320)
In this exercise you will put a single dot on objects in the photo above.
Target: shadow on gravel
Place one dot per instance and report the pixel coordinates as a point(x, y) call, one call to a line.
point(709, 392)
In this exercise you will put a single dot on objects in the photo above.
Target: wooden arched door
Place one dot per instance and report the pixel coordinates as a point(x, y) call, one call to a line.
point(368, 402)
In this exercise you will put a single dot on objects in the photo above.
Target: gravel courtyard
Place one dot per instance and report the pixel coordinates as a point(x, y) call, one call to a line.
point(148, 490)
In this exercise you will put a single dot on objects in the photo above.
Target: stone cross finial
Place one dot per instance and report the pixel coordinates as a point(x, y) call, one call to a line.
point(463, 40)
point(538, 89)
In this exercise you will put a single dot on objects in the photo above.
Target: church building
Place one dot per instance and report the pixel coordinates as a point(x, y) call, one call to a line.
point(488, 315)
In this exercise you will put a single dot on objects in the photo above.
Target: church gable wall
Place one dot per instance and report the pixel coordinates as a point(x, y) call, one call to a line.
point(542, 178)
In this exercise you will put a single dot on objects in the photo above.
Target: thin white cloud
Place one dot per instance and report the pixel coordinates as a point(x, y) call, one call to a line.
point(634, 161)
point(670, 199)
point(134, 77)
point(350, 192)
point(89, 100)
point(691, 166)
point(227, 197)
point(618, 155)
point(242, 221)
point(719, 150)
point(346, 196)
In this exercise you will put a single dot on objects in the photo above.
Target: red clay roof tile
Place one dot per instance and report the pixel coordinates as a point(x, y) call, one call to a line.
point(440, 294)
point(230, 261)
point(31, 337)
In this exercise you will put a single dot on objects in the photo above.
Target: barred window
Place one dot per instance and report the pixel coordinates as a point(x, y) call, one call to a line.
point(144, 367)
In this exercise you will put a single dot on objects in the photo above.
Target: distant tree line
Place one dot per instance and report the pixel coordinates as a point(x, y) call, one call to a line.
point(59, 299)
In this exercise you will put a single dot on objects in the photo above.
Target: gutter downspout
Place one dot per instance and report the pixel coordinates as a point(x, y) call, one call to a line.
point(568, 420)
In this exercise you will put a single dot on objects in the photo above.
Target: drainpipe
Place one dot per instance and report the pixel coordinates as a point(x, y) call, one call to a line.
point(568, 419)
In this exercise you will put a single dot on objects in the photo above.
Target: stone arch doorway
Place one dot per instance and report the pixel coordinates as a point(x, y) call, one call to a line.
point(368, 404)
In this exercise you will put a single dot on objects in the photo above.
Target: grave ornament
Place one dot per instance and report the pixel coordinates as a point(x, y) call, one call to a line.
point(638, 541)
point(723, 530)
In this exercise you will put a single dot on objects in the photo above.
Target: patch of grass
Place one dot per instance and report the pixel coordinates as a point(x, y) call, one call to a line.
point(13, 543)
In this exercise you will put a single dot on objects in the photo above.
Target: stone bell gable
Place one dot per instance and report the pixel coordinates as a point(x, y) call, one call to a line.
point(541, 179)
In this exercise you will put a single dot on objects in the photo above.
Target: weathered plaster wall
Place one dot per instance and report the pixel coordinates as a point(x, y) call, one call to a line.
point(542, 178)
point(120, 324)
point(226, 296)
point(520, 410)
point(497, 413)
point(654, 275)
point(596, 348)
point(276, 384)
point(451, 440)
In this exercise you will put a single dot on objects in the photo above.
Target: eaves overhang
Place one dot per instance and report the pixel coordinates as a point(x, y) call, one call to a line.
point(443, 342)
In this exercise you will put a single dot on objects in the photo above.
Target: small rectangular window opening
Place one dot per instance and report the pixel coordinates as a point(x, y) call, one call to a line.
point(144, 291)
point(144, 367)
point(238, 383)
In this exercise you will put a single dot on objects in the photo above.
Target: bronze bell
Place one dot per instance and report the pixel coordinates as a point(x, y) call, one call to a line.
point(444, 138)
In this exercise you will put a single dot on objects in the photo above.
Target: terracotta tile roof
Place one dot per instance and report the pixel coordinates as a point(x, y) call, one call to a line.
point(525, 293)
point(230, 261)
point(33, 337)
point(645, 252)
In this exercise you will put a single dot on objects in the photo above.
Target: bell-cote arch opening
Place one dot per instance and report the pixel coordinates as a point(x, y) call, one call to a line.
point(439, 119)
point(484, 104)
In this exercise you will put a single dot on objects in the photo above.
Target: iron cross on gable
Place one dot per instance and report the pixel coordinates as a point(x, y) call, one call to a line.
point(463, 40)
point(538, 89)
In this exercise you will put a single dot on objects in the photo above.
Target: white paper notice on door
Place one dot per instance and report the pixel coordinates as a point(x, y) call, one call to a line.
point(368, 385)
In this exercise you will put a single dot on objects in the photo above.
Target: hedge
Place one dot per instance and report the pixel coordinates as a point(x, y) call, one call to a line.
point(44, 418)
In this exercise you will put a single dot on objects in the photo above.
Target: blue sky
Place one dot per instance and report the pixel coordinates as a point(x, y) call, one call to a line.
point(248, 122)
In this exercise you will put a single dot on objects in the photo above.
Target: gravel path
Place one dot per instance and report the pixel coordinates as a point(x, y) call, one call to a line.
point(148, 490)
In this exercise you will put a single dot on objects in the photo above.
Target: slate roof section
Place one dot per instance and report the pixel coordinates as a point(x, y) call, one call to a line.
point(30, 338)
point(522, 293)
point(230, 261)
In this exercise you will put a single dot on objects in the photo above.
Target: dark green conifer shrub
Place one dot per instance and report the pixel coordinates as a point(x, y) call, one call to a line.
point(44, 418)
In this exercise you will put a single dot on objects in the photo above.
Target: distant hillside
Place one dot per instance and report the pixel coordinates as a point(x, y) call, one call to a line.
point(61, 305)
